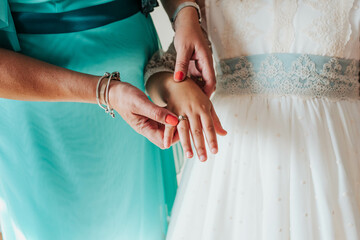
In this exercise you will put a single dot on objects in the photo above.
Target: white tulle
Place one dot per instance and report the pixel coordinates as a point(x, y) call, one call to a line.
point(288, 169)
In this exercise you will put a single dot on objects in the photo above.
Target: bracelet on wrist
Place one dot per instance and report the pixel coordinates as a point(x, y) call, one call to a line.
point(181, 7)
point(102, 91)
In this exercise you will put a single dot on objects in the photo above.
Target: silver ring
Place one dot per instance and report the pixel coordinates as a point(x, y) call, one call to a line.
point(182, 117)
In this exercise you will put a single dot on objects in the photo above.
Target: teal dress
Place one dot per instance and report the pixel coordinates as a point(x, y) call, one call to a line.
point(68, 170)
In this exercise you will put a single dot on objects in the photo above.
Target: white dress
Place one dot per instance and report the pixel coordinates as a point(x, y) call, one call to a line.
point(288, 94)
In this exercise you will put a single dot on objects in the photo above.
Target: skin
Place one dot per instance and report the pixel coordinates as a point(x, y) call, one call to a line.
point(194, 56)
point(187, 98)
point(27, 79)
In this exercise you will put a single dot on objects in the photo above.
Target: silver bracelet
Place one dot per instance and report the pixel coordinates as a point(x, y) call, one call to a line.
point(182, 6)
point(107, 107)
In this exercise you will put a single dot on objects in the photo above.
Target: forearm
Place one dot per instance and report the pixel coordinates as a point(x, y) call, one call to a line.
point(185, 16)
point(171, 5)
point(28, 79)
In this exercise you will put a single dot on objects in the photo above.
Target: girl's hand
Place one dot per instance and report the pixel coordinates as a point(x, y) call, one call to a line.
point(187, 99)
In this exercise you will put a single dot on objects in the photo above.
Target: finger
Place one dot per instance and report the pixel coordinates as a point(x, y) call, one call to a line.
point(193, 69)
point(209, 130)
point(183, 57)
point(198, 137)
point(184, 135)
point(176, 137)
point(155, 136)
point(205, 65)
point(217, 124)
point(168, 135)
point(150, 129)
point(146, 108)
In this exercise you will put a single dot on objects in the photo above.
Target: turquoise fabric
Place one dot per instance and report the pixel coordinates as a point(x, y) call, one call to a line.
point(68, 170)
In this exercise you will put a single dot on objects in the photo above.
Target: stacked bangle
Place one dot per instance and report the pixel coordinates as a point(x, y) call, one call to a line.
point(105, 94)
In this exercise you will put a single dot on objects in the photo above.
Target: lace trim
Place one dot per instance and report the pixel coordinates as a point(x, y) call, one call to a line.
point(290, 74)
point(161, 62)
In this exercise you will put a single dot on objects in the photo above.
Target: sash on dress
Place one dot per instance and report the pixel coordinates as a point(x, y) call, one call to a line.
point(75, 20)
point(284, 74)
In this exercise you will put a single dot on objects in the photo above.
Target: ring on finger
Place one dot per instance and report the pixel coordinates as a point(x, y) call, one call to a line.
point(182, 117)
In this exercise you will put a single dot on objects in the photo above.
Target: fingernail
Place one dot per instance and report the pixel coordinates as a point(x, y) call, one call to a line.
point(189, 154)
point(172, 120)
point(202, 158)
point(179, 76)
point(214, 150)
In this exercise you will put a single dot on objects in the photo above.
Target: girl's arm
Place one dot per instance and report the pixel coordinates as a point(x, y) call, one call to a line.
point(192, 47)
point(187, 99)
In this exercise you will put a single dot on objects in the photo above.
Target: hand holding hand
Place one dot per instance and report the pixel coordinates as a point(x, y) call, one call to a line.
point(140, 113)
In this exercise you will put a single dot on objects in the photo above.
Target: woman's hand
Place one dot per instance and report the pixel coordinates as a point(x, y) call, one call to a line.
point(187, 99)
point(193, 50)
point(140, 113)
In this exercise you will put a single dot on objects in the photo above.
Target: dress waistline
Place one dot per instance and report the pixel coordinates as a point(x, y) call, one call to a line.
point(290, 74)
point(75, 20)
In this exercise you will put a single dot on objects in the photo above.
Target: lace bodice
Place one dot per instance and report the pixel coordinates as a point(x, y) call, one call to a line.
point(318, 27)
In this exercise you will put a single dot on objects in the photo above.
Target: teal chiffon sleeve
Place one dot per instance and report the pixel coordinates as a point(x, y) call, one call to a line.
point(8, 36)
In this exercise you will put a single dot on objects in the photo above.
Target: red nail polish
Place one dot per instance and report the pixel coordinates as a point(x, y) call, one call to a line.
point(179, 76)
point(170, 119)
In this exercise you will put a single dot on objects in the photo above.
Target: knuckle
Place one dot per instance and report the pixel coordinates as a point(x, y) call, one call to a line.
point(200, 150)
point(140, 126)
point(197, 132)
point(213, 143)
point(210, 128)
point(181, 64)
point(160, 145)
point(182, 128)
point(206, 106)
point(156, 114)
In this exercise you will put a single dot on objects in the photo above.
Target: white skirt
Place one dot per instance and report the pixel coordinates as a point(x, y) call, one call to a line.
point(289, 168)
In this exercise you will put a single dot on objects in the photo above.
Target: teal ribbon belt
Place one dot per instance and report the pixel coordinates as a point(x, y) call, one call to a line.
point(75, 20)
point(282, 74)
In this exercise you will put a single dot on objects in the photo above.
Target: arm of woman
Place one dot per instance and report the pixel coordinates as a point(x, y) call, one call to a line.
point(27, 79)
point(192, 47)
point(187, 99)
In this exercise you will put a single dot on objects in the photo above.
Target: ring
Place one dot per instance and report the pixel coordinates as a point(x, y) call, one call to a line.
point(182, 117)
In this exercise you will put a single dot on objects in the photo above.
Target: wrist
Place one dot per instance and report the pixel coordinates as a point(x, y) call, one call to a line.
point(187, 16)
point(115, 88)
point(172, 87)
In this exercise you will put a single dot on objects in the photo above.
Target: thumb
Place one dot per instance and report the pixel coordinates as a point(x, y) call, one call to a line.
point(161, 115)
point(183, 57)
